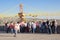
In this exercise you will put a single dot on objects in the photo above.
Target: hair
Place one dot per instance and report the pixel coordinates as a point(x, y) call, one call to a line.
point(17, 22)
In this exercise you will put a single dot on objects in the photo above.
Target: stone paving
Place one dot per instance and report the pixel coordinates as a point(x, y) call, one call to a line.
point(25, 36)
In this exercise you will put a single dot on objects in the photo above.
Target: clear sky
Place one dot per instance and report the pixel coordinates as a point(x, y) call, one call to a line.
point(11, 7)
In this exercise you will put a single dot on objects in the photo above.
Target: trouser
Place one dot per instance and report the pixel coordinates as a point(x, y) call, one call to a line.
point(12, 30)
point(37, 30)
point(15, 32)
point(49, 30)
point(8, 29)
point(30, 30)
point(34, 30)
point(42, 30)
point(21, 29)
point(53, 29)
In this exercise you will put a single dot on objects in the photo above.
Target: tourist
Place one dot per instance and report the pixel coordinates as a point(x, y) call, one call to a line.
point(22, 25)
point(43, 27)
point(34, 27)
point(40, 23)
point(16, 28)
point(7, 27)
point(48, 27)
point(37, 27)
point(25, 26)
point(29, 27)
point(53, 27)
point(11, 27)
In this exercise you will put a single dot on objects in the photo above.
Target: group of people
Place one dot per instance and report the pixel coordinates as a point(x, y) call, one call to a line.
point(32, 27)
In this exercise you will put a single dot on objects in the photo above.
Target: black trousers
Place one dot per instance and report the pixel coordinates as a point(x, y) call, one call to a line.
point(53, 29)
point(7, 30)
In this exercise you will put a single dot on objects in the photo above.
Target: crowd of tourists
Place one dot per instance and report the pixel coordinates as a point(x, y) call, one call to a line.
point(32, 27)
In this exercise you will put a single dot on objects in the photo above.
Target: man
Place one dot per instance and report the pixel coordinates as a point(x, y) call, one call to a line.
point(34, 27)
point(29, 29)
point(16, 28)
point(48, 27)
point(40, 23)
point(7, 27)
point(22, 25)
point(55, 26)
point(11, 27)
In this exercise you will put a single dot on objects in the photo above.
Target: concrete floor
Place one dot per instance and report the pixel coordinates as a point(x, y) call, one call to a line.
point(25, 36)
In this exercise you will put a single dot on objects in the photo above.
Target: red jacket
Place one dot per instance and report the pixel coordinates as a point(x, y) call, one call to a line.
point(11, 26)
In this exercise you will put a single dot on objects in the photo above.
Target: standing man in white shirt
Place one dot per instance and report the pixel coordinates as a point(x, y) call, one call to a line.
point(56, 26)
point(34, 27)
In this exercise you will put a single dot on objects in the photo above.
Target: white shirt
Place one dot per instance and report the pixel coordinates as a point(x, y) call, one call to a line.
point(25, 24)
point(17, 26)
point(30, 24)
point(34, 25)
point(8, 24)
point(55, 24)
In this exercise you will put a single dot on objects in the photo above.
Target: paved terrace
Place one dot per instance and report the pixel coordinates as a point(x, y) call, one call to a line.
point(25, 36)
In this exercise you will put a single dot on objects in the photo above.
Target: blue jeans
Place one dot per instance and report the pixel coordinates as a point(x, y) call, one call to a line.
point(34, 29)
point(12, 30)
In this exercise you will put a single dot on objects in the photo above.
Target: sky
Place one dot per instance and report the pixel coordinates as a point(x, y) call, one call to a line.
point(11, 7)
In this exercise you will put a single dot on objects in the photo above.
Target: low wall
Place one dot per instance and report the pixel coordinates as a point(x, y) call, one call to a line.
point(2, 29)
